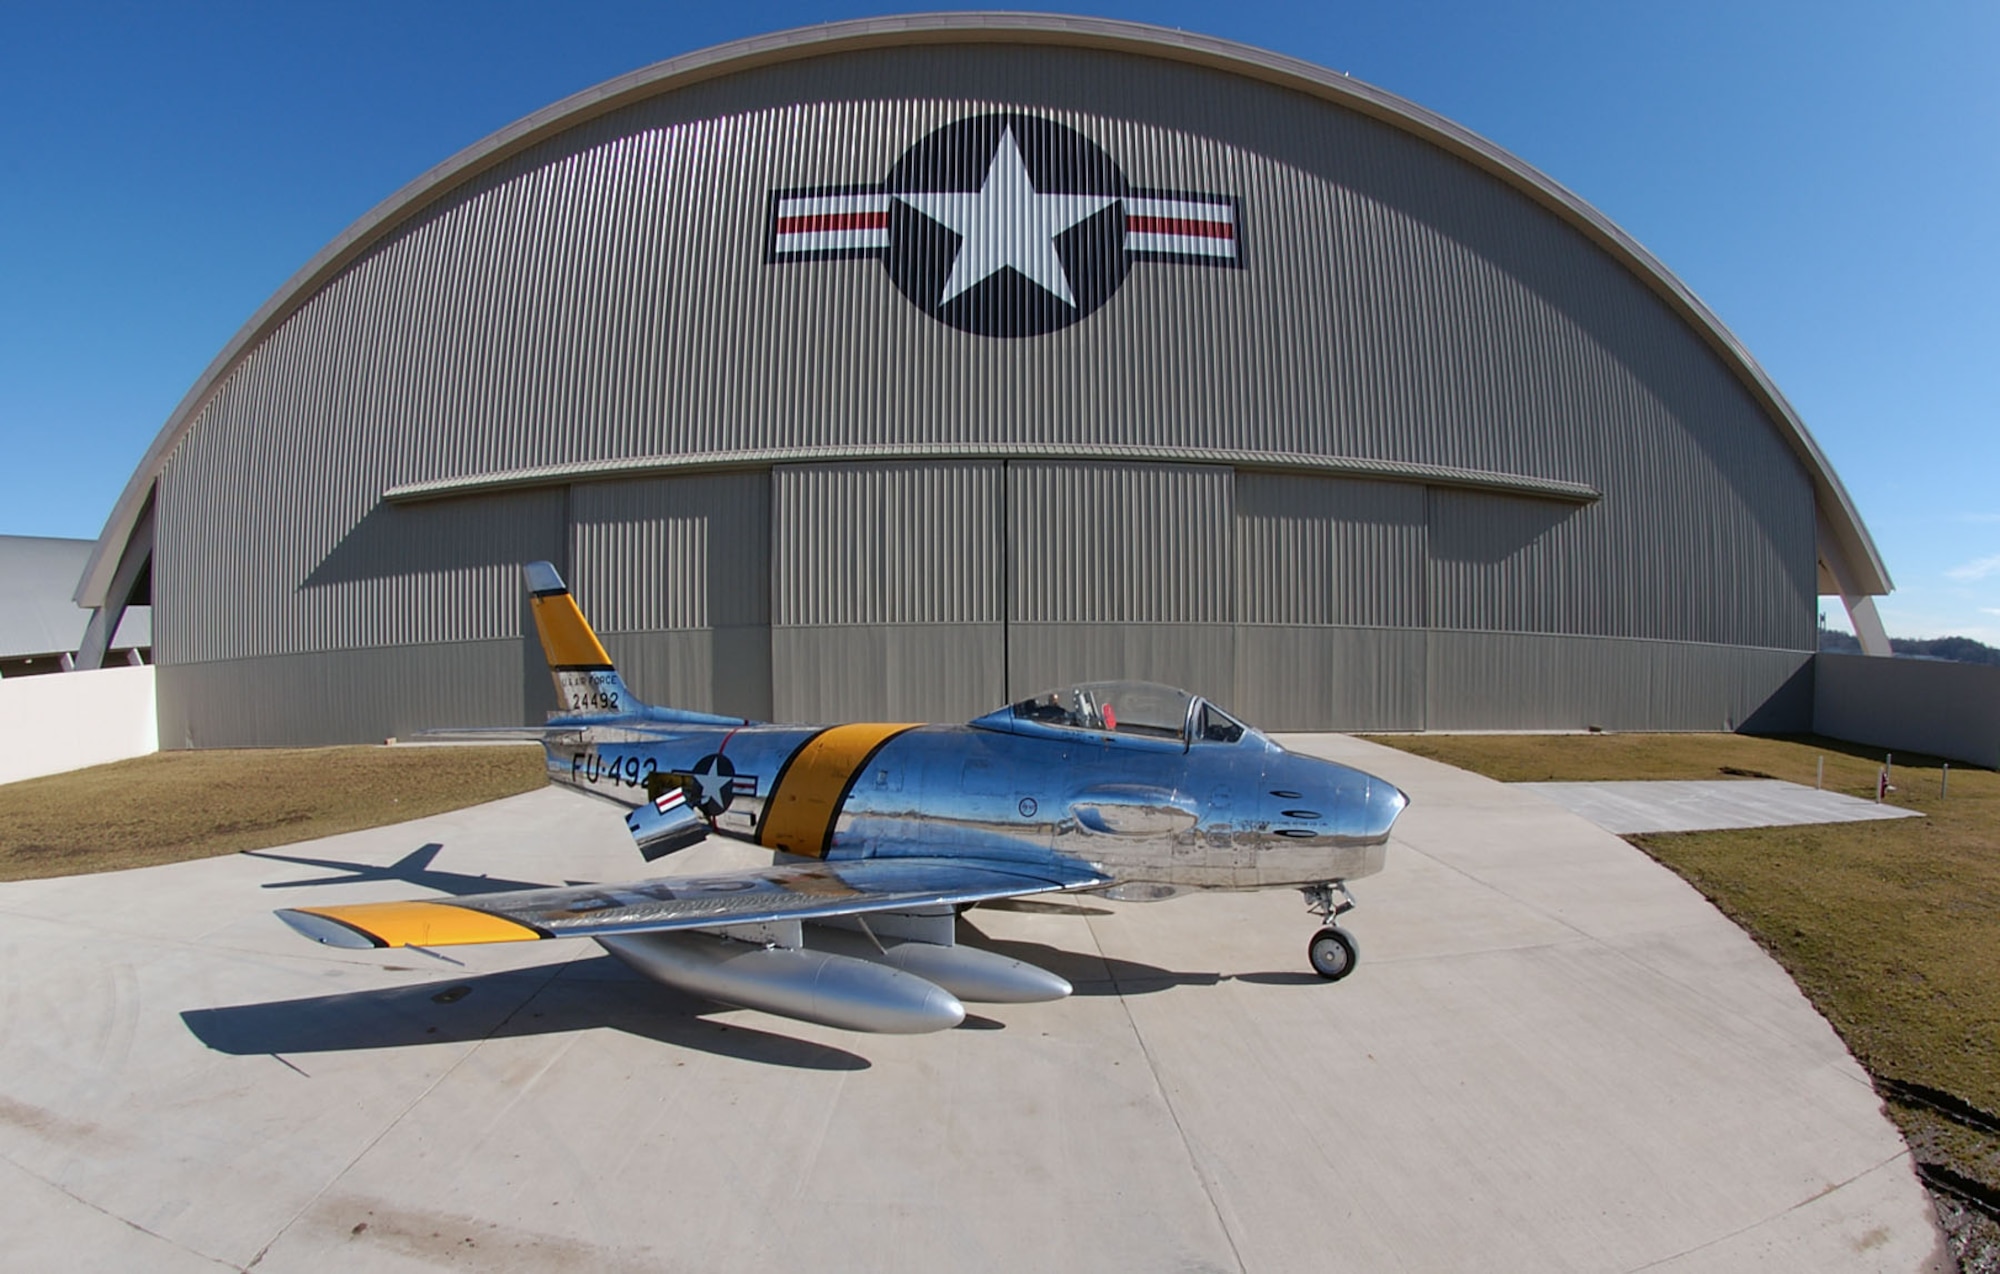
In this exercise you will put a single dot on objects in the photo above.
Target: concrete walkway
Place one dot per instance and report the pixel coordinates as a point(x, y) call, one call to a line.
point(1555, 1056)
point(1629, 808)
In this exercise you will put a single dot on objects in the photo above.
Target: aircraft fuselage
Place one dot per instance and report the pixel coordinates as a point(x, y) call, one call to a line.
point(1158, 815)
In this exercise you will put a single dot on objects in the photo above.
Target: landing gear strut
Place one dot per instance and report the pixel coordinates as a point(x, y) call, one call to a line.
point(1332, 952)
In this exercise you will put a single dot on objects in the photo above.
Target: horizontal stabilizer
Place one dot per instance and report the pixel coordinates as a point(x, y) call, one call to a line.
point(666, 823)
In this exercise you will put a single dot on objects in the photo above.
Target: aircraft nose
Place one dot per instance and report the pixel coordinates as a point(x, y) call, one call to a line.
point(1385, 801)
point(1360, 807)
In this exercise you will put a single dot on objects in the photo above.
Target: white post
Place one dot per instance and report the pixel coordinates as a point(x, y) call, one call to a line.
point(1819, 779)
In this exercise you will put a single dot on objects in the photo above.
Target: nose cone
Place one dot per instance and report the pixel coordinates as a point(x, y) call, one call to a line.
point(1359, 809)
point(1385, 801)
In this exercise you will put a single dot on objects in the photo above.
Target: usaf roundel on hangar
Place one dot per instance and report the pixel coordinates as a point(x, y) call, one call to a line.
point(1005, 225)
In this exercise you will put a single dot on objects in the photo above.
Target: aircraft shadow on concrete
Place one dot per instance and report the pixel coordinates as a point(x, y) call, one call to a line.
point(580, 995)
point(1088, 972)
point(413, 868)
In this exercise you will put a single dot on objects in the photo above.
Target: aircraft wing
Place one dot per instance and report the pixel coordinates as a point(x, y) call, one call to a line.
point(802, 891)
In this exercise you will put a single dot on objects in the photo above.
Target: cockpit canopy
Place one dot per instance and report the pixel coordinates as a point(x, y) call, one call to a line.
point(1142, 709)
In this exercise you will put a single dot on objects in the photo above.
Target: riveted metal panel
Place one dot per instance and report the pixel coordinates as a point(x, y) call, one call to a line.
point(671, 553)
point(1329, 551)
point(1119, 544)
point(887, 543)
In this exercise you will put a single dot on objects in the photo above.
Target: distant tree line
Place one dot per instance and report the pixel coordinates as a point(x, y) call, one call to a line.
point(1962, 650)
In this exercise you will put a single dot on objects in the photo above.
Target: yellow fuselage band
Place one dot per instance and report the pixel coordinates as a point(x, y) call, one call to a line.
point(798, 817)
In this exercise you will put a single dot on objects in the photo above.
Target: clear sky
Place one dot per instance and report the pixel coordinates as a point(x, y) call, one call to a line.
point(1825, 175)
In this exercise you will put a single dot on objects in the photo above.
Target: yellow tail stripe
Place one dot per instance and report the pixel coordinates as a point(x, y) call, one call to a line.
point(567, 639)
point(425, 924)
point(798, 817)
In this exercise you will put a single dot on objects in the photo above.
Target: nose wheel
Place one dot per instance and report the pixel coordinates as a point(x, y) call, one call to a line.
point(1333, 952)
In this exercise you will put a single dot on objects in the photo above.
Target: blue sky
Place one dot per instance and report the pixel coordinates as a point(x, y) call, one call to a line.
point(1824, 175)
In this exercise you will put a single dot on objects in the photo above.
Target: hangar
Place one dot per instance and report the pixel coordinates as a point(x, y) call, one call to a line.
point(900, 367)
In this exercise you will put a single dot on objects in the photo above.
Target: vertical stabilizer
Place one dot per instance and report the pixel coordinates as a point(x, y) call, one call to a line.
point(585, 680)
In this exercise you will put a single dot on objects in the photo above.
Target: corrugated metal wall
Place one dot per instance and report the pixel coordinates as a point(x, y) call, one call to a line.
point(1120, 571)
point(605, 295)
point(675, 574)
point(1330, 551)
point(886, 590)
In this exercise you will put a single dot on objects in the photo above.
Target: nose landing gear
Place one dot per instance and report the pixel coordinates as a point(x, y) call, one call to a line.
point(1333, 953)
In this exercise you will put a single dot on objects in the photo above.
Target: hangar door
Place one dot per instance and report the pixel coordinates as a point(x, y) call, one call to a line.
point(939, 590)
point(675, 574)
point(1330, 602)
point(1120, 570)
point(886, 591)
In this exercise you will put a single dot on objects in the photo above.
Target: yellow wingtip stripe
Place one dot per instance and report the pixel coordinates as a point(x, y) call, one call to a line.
point(425, 924)
point(567, 638)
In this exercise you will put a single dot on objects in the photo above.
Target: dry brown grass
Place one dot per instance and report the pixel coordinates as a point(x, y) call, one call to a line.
point(1892, 929)
point(179, 805)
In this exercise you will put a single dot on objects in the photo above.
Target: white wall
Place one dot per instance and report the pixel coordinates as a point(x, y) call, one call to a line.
point(67, 720)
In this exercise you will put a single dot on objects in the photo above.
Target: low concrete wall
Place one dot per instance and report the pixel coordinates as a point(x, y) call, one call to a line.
point(67, 720)
point(1911, 705)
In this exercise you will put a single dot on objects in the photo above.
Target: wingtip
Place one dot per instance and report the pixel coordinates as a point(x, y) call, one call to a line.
point(326, 930)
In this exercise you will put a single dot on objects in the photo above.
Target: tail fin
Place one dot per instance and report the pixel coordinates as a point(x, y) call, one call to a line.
point(585, 680)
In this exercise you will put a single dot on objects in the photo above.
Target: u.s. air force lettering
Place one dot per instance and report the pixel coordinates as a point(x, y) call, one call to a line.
point(1005, 225)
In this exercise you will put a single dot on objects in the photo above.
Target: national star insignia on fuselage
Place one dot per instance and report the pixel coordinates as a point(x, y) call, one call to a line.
point(881, 833)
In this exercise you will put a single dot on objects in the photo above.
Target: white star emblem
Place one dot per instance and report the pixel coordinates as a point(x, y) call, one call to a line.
point(714, 786)
point(1007, 224)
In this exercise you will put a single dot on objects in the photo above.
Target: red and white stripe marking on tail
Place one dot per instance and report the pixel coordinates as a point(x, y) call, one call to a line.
point(1184, 228)
point(670, 800)
point(819, 225)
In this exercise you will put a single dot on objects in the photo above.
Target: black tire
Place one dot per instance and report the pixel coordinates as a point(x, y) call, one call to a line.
point(1333, 953)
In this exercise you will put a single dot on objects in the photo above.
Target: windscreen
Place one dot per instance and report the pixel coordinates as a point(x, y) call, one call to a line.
point(1122, 707)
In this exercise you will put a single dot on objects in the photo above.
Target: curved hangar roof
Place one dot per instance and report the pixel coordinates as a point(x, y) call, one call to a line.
point(1168, 226)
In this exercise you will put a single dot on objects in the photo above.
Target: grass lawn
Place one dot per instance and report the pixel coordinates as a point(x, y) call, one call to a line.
point(178, 805)
point(1891, 928)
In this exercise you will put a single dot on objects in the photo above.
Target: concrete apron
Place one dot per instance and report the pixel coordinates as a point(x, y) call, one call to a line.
point(1555, 1056)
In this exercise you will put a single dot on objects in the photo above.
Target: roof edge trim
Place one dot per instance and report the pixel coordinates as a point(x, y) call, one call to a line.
point(987, 28)
point(1277, 461)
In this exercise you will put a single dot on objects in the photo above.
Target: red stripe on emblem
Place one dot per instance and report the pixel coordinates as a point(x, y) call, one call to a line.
point(834, 221)
point(1180, 226)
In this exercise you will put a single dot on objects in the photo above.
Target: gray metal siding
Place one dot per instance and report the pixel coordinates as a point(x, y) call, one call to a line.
point(886, 589)
point(1312, 678)
point(350, 696)
point(1119, 544)
point(726, 670)
point(1520, 681)
point(1910, 705)
point(674, 573)
point(1329, 551)
point(604, 295)
point(244, 577)
point(888, 672)
point(1198, 657)
point(672, 553)
point(887, 544)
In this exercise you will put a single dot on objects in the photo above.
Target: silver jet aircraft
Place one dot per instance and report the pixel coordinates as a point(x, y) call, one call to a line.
point(881, 833)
